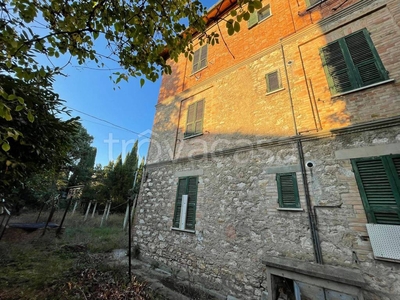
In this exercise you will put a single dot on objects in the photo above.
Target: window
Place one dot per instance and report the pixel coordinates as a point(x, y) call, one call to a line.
point(273, 81)
point(259, 15)
point(200, 59)
point(288, 192)
point(352, 62)
point(194, 121)
point(378, 181)
point(185, 205)
point(313, 2)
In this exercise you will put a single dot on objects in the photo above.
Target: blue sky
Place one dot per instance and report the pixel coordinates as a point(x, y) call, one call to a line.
point(91, 92)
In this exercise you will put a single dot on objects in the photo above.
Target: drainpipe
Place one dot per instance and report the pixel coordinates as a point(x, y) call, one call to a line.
point(310, 211)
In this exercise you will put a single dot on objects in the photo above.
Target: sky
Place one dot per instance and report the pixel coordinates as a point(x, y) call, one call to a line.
point(91, 94)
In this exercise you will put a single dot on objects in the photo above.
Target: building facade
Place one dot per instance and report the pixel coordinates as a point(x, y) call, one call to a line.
point(274, 164)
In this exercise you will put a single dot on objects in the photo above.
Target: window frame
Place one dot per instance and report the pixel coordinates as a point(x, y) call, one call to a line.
point(192, 201)
point(391, 167)
point(199, 56)
point(280, 87)
point(343, 70)
point(283, 202)
point(255, 16)
point(198, 118)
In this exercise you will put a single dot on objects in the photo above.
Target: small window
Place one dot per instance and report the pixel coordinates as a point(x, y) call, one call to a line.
point(273, 81)
point(194, 121)
point(258, 16)
point(185, 205)
point(352, 62)
point(378, 180)
point(200, 59)
point(288, 192)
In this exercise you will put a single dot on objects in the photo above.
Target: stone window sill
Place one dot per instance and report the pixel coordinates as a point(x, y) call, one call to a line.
point(363, 88)
point(315, 4)
point(290, 209)
point(192, 136)
point(183, 230)
point(275, 91)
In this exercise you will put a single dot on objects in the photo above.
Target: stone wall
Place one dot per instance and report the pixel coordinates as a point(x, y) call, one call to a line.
point(238, 224)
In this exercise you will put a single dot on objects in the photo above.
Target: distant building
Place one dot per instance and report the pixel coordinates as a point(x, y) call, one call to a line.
point(274, 165)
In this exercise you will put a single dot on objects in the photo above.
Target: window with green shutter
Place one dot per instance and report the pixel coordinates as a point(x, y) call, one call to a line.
point(259, 15)
point(200, 59)
point(352, 62)
point(187, 189)
point(378, 180)
point(288, 192)
point(273, 81)
point(194, 120)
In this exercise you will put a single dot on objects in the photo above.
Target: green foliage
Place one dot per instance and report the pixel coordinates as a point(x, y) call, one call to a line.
point(82, 157)
point(115, 181)
point(122, 176)
point(31, 146)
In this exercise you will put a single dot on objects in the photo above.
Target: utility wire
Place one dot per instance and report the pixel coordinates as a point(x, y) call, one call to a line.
point(108, 122)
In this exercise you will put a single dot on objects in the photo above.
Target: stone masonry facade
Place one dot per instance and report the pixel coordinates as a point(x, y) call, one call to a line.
point(249, 135)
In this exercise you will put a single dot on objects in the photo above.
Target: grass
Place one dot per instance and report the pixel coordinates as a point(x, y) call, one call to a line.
point(72, 266)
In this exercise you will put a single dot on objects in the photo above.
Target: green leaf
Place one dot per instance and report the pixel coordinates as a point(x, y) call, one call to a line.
point(5, 146)
point(142, 81)
point(12, 97)
point(19, 108)
point(233, 12)
point(31, 118)
point(257, 4)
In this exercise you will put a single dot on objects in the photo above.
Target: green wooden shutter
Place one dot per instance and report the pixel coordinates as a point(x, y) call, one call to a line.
point(194, 123)
point(336, 69)
point(182, 187)
point(379, 188)
point(396, 164)
point(203, 57)
point(196, 61)
point(190, 121)
point(253, 19)
point(191, 212)
point(368, 65)
point(288, 192)
point(198, 127)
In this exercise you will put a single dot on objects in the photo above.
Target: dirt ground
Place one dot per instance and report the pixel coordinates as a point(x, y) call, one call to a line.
point(37, 266)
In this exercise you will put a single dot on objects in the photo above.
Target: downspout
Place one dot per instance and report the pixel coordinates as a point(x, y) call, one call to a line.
point(310, 211)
